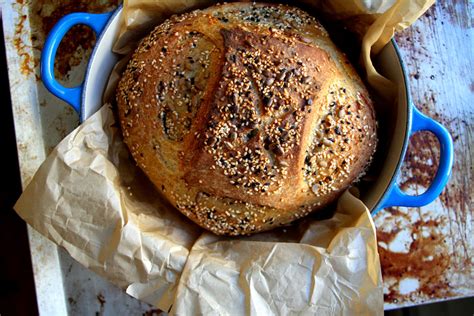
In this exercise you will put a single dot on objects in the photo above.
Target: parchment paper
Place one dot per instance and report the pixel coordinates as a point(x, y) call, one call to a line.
point(91, 199)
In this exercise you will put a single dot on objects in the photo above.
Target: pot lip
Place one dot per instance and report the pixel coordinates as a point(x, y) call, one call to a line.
point(409, 104)
point(99, 40)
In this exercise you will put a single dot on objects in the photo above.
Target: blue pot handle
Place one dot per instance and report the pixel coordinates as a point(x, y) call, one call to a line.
point(395, 196)
point(97, 23)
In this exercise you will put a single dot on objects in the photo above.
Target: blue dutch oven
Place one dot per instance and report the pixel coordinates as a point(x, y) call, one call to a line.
point(86, 99)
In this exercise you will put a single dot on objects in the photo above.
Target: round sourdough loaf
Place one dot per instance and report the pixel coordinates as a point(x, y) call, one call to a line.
point(245, 116)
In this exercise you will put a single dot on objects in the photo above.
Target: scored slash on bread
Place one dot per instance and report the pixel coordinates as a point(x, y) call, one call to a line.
point(245, 116)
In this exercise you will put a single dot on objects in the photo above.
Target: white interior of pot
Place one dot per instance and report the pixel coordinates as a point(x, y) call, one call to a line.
point(392, 127)
point(102, 62)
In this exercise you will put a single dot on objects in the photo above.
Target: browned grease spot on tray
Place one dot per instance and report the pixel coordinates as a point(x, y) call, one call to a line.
point(416, 168)
point(78, 36)
point(25, 58)
point(101, 299)
point(416, 264)
point(43, 15)
point(153, 312)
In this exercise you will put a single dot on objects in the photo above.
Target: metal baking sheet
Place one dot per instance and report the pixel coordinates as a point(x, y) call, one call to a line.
point(426, 253)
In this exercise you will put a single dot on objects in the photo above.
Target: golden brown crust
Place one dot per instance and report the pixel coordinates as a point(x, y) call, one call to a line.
point(245, 116)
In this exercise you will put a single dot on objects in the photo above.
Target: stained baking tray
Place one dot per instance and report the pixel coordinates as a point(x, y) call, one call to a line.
point(426, 253)
point(63, 286)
